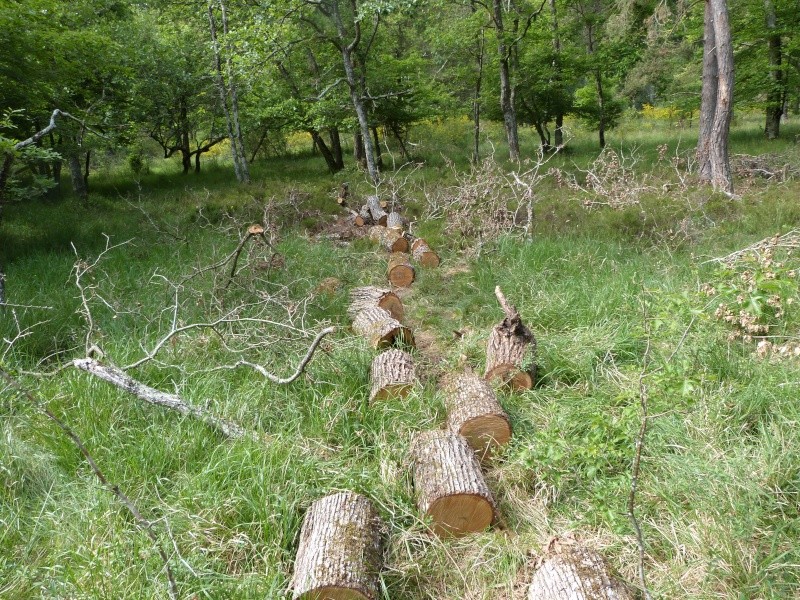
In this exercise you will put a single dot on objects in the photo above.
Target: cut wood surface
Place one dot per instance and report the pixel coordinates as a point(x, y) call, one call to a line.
point(400, 271)
point(390, 239)
point(571, 572)
point(375, 297)
point(381, 329)
point(423, 254)
point(339, 556)
point(449, 484)
point(511, 349)
point(474, 412)
point(392, 375)
point(379, 215)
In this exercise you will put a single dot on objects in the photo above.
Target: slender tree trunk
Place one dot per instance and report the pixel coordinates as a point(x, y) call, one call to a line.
point(76, 175)
point(601, 126)
point(319, 143)
point(359, 154)
point(777, 85)
point(87, 164)
point(336, 148)
point(721, 177)
point(476, 99)
point(506, 91)
point(708, 96)
point(558, 136)
point(244, 169)
point(378, 155)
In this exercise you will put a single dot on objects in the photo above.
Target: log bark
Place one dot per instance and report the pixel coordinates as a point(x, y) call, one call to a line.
point(362, 298)
point(569, 572)
point(122, 380)
point(379, 215)
point(400, 272)
point(423, 254)
point(393, 375)
point(511, 349)
point(390, 239)
point(340, 551)
point(380, 329)
point(396, 221)
point(366, 216)
point(474, 412)
point(449, 484)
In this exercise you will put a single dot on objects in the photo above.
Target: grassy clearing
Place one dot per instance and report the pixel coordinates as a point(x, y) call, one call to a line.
point(719, 492)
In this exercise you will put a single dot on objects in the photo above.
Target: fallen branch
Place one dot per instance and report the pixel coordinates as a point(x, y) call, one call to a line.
point(141, 522)
point(122, 380)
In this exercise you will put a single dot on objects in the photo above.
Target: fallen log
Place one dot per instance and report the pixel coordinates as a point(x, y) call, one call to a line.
point(364, 217)
point(392, 375)
point(390, 239)
point(122, 380)
point(570, 572)
point(339, 556)
point(511, 349)
point(449, 484)
point(399, 271)
point(396, 221)
point(381, 329)
point(379, 215)
point(474, 412)
point(374, 297)
point(423, 254)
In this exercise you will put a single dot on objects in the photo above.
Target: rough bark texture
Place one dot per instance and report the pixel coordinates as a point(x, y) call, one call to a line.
point(777, 84)
point(393, 375)
point(423, 254)
point(511, 349)
point(340, 554)
point(569, 572)
point(362, 298)
point(449, 484)
point(708, 97)
point(396, 221)
point(380, 329)
point(506, 89)
point(390, 239)
point(379, 215)
point(366, 216)
point(399, 271)
point(474, 412)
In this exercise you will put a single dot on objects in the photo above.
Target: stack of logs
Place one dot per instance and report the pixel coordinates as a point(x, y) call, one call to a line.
point(339, 555)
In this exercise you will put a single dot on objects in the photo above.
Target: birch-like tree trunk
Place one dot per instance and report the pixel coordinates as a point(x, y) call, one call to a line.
point(506, 89)
point(777, 84)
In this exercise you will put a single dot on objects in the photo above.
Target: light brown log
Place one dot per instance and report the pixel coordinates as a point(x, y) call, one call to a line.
point(390, 239)
point(393, 375)
point(423, 254)
point(400, 272)
point(379, 215)
point(474, 412)
point(571, 572)
point(511, 350)
point(339, 556)
point(381, 329)
point(449, 484)
point(375, 297)
point(396, 221)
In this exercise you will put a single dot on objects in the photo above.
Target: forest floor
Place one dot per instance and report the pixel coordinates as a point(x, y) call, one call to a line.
point(638, 286)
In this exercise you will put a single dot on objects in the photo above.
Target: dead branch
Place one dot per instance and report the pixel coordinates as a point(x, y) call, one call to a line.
point(141, 522)
point(122, 380)
point(788, 241)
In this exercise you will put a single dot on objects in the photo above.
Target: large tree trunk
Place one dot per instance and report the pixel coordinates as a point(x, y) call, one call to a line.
point(506, 88)
point(449, 484)
point(339, 556)
point(319, 142)
point(76, 175)
point(708, 96)
point(336, 148)
point(777, 85)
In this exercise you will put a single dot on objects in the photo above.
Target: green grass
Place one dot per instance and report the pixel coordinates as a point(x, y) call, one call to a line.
point(720, 479)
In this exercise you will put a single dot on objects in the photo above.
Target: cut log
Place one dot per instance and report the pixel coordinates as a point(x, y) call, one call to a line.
point(374, 297)
point(449, 484)
point(423, 254)
point(339, 556)
point(474, 412)
point(570, 572)
point(366, 216)
point(344, 194)
point(396, 221)
point(400, 272)
point(378, 214)
point(393, 375)
point(390, 239)
point(381, 329)
point(511, 350)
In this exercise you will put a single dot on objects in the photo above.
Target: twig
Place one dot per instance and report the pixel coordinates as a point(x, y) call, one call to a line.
point(300, 367)
point(252, 231)
point(141, 522)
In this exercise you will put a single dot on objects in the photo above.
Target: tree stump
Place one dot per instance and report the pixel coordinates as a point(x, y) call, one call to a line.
point(474, 412)
point(339, 556)
point(400, 272)
point(381, 329)
point(570, 572)
point(379, 215)
point(511, 350)
point(396, 221)
point(391, 239)
point(374, 297)
point(423, 254)
point(393, 375)
point(449, 484)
